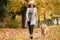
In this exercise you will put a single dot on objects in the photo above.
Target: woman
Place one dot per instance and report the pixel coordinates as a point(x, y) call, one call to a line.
point(31, 18)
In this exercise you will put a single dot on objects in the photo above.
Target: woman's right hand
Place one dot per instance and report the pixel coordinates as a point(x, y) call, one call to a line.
point(27, 19)
point(26, 22)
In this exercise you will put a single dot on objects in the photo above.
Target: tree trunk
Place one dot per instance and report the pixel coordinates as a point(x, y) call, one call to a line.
point(23, 20)
point(23, 11)
point(57, 20)
point(44, 18)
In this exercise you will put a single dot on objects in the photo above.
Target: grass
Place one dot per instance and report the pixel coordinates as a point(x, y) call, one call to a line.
point(54, 25)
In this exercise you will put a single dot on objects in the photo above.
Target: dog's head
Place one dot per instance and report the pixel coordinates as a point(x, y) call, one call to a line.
point(43, 26)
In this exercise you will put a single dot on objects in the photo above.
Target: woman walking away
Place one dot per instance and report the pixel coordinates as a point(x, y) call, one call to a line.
point(31, 18)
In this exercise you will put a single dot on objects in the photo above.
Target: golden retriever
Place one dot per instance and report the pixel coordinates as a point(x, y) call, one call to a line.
point(45, 30)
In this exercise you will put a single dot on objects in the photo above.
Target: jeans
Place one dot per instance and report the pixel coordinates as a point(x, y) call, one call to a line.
point(30, 28)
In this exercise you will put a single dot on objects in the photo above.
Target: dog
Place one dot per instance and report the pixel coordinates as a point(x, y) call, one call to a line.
point(45, 30)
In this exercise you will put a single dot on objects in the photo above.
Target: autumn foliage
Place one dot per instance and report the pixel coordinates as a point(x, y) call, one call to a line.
point(47, 9)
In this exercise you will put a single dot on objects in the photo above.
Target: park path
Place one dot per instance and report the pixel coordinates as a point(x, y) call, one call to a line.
point(20, 34)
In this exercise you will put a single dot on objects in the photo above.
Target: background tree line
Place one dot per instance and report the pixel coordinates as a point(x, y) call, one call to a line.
point(12, 12)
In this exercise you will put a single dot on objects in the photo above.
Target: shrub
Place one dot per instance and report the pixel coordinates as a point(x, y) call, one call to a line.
point(14, 24)
point(2, 25)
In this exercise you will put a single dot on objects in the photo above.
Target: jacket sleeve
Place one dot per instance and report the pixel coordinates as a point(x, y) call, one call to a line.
point(27, 13)
point(26, 17)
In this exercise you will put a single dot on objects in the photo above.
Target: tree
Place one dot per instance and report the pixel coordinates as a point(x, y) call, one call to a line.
point(3, 12)
point(46, 8)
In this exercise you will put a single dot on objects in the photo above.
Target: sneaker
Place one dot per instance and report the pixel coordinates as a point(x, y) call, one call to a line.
point(31, 36)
